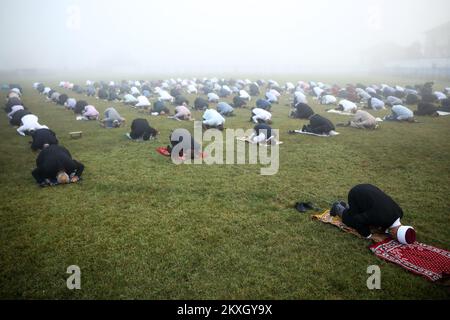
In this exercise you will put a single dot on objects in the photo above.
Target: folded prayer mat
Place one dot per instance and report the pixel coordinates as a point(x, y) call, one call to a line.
point(428, 261)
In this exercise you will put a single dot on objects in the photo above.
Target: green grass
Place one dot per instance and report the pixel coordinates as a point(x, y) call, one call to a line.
point(140, 227)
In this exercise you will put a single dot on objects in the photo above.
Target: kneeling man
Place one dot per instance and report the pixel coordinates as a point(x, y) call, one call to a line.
point(368, 207)
point(213, 120)
point(55, 162)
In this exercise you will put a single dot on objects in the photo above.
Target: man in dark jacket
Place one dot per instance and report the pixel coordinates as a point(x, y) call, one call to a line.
point(42, 138)
point(79, 107)
point(263, 104)
point(55, 162)
point(11, 103)
point(140, 129)
point(263, 134)
point(16, 119)
point(179, 100)
point(302, 111)
point(426, 109)
point(319, 125)
point(182, 141)
point(369, 207)
point(238, 102)
point(201, 104)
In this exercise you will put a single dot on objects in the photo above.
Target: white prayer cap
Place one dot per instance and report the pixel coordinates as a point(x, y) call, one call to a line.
point(406, 235)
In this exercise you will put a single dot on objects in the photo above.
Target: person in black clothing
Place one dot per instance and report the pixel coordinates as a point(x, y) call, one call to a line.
point(160, 108)
point(318, 125)
point(79, 107)
point(55, 162)
point(175, 92)
point(12, 102)
point(16, 119)
point(426, 109)
point(62, 99)
point(102, 94)
point(412, 99)
point(140, 129)
point(112, 95)
point(50, 93)
point(254, 90)
point(179, 100)
point(42, 138)
point(369, 207)
point(302, 111)
point(40, 88)
point(445, 105)
point(263, 134)
point(238, 102)
point(188, 145)
point(201, 104)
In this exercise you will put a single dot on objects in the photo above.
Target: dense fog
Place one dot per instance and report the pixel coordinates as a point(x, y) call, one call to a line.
point(209, 36)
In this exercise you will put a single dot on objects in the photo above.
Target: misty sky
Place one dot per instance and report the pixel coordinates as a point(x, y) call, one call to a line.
point(206, 35)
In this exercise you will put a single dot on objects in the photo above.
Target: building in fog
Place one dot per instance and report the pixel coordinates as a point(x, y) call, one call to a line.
point(437, 42)
point(428, 58)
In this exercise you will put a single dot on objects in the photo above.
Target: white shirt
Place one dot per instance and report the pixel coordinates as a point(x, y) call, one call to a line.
point(261, 114)
point(14, 109)
point(394, 100)
point(440, 95)
point(290, 86)
point(364, 95)
point(227, 88)
point(244, 95)
point(317, 91)
point(128, 98)
point(377, 104)
point(142, 102)
point(134, 91)
point(71, 103)
point(328, 99)
point(347, 105)
point(213, 97)
point(191, 89)
point(300, 97)
point(212, 118)
point(30, 122)
point(371, 90)
point(164, 95)
point(271, 97)
point(275, 93)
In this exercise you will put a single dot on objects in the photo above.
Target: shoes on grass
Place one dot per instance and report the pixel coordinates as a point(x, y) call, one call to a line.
point(305, 206)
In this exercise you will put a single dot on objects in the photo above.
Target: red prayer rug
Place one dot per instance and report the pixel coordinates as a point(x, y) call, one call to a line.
point(163, 151)
point(430, 262)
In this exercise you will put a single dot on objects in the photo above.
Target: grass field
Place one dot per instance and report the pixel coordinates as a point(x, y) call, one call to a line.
point(140, 227)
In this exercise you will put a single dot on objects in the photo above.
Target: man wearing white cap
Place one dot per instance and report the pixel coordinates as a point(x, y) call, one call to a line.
point(369, 207)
